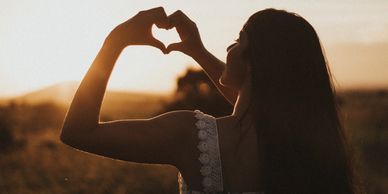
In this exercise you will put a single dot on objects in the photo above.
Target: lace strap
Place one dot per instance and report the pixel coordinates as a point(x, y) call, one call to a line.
point(210, 152)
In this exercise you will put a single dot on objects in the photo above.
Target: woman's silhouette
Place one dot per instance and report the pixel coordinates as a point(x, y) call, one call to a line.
point(284, 135)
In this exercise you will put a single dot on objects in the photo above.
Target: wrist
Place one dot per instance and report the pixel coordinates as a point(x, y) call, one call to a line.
point(200, 54)
point(111, 49)
point(113, 41)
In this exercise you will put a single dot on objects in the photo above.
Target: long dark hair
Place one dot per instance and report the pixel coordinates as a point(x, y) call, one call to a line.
point(302, 145)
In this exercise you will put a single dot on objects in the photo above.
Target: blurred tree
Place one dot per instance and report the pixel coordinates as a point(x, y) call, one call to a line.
point(196, 91)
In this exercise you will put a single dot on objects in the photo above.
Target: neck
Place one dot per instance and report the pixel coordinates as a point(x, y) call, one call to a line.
point(243, 99)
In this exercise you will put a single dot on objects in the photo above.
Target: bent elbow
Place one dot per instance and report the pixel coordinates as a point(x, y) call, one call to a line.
point(75, 136)
point(69, 137)
point(74, 127)
point(66, 138)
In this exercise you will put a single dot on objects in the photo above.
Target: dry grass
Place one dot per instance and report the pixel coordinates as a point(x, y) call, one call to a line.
point(39, 163)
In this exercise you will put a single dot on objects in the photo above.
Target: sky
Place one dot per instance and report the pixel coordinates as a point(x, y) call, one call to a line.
point(46, 42)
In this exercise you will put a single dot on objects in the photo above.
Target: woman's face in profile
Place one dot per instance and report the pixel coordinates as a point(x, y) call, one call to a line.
point(236, 66)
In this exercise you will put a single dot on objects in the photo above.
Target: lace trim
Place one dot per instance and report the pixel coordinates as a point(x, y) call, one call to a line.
point(209, 157)
point(183, 189)
point(210, 152)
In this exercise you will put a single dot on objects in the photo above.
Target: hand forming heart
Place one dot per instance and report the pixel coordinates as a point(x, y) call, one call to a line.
point(138, 31)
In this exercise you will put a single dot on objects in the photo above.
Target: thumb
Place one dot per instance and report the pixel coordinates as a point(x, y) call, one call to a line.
point(175, 47)
point(156, 43)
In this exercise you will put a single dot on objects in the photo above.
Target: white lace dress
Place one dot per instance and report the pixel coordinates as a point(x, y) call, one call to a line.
point(209, 157)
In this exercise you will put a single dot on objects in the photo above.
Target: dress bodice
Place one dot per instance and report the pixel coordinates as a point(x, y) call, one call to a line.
point(210, 158)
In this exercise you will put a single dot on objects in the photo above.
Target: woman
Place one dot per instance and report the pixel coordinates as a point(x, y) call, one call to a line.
point(284, 135)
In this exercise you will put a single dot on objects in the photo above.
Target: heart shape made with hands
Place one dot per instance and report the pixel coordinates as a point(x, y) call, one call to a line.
point(166, 36)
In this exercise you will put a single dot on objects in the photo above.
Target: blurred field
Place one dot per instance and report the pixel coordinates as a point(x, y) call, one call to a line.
point(33, 160)
point(365, 117)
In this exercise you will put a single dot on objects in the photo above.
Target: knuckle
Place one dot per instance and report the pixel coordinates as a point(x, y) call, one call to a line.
point(178, 13)
point(160, 8)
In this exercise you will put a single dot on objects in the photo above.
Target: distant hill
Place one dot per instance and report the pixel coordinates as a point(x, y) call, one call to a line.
point(61, 93)
point(117, 104)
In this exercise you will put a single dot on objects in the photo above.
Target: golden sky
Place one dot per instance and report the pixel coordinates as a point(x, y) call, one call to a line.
point(44, 42)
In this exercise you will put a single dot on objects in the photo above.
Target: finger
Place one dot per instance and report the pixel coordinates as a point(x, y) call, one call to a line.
point(155, 11)
point(174, 47)
point(163, 23)
point(160, 19)
point(156, 43)
point(181, 22)
point(178, 17)
point(158, 16)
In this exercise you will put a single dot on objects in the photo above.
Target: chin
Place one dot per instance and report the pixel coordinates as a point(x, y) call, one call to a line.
point(224, 81)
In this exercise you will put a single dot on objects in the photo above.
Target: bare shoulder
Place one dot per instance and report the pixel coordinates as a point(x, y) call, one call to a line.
point(182, 122)
point(179, 117)
point(224, 122)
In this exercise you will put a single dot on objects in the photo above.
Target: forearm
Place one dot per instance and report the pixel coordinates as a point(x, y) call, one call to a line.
point(214, 67)
point(83, 114)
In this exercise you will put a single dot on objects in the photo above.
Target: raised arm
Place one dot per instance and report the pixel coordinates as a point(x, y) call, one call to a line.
point(153, 140)
point(192, 45)
point(214, 67)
